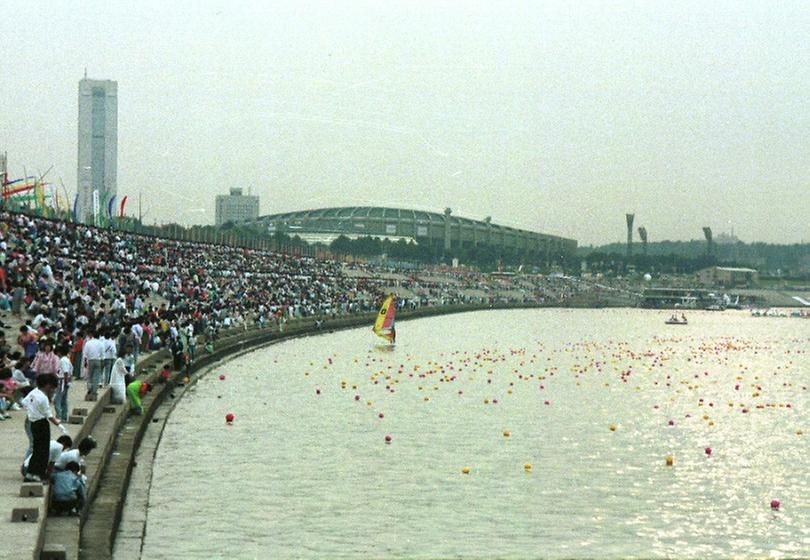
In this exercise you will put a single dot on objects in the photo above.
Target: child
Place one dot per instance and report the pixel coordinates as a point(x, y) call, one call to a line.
point(68, 491)
point(165, 373)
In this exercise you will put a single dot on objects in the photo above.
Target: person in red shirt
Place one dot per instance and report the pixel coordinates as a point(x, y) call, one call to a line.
point(75, 355)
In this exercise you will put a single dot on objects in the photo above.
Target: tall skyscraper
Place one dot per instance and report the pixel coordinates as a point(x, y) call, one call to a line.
point(98, 149)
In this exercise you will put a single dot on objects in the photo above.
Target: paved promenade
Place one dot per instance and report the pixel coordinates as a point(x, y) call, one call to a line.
point(24, 539)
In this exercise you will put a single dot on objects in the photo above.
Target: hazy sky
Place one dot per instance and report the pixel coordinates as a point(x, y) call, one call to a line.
point(556, 116)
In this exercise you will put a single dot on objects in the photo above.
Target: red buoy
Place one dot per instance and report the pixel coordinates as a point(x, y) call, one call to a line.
point(222, 377)
point(387, 439)
point(774, 504)
point(708, 451)
point(229, 418)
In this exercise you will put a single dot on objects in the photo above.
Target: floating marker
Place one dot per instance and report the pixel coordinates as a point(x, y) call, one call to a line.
point(775, 504)
point(222, 377)
point(527, 467)
point(229, 418)
point(708, 451)
point(387, 439)
point(669, 460)
point(465, 470)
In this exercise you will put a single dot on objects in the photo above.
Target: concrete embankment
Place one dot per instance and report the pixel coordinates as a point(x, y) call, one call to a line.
point(98, 531)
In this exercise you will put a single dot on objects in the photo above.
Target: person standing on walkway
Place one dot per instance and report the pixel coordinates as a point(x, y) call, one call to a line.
point(93, 352)
point(38, 408)
point(117, 379)
point(109, 355)
point(137, 336)
point(45, 362)
point(65, 375)
point(76, 354)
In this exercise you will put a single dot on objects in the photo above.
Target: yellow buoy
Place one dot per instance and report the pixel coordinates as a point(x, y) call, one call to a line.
point(465, 470)
point(506, 433)
point(427, 398)
point(669, 460)
point(527, 467)
point(612, 427)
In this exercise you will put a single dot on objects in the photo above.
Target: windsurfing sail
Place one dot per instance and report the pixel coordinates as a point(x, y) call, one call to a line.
point(384, 325)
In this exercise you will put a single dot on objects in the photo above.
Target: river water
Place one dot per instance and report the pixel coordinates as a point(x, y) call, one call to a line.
point(593, 400)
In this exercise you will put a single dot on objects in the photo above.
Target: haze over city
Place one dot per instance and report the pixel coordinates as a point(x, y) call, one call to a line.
point(551, 117)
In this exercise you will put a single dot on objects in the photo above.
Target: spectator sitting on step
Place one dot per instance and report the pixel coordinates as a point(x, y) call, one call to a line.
point(68, 492)
point(18, 373)
point(7, 390)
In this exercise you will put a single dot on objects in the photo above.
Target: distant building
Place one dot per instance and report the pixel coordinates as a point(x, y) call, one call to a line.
point(728, 277)
point(236, 207)
point(97, 176)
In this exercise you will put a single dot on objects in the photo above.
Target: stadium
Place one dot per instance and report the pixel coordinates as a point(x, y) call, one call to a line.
point(445, 231)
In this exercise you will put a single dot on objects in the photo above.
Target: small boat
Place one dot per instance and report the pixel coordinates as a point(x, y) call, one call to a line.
point(675, 322)
point(384, 324)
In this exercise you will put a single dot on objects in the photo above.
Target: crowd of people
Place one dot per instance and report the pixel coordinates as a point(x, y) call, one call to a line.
point(85, 302)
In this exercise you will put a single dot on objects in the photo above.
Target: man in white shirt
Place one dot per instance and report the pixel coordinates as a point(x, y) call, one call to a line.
point(110, 351)
point(65, 375)
point(93, 354)
point(38, 408)
point(137, 336)
point(57, 447)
